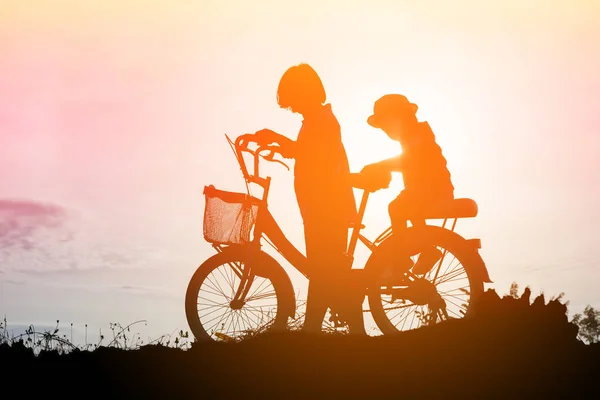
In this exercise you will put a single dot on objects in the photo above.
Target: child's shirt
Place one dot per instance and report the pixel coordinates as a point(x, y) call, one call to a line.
point(321, 169)
point(424, 167)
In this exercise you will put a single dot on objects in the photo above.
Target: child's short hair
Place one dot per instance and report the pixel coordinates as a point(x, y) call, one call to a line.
point(300, 83)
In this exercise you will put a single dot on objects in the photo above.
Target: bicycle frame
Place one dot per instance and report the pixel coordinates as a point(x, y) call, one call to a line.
point(266, 226)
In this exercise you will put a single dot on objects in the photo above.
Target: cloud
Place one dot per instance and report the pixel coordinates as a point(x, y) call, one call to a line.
point(22, 222)
point(65, 271)
point(136, 289)
point(44, 241)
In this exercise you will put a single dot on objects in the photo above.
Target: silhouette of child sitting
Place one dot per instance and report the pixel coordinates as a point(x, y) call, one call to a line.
point(427, 181)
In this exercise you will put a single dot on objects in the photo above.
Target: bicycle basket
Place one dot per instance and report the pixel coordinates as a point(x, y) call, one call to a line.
point(228, 216)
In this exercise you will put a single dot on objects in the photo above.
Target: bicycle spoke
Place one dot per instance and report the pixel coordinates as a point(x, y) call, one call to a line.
point(402, 314)
point(399, 307)
point(451, 302)
point(217, 291)
point(236, 321)
point(214, 287)
point(212, 307)
point(259, 286)
point(227, 312)
point(247, 321)
point(450, 268)
point(229, 276)
point(263, 296)
point(437, 276)
point(237, 269)
point(261, 307)
point(443, 294)
point(405, 319)
point(217, 287)
point(446, 281)
point(212, 301)
point(230, 323)
point(221, 322)
point(254, 311)
point(451, 276)
point(463, 289)
point(212, 312)
point(453, 312)
point(231, 288)
point(224, 275)
point(401, 311)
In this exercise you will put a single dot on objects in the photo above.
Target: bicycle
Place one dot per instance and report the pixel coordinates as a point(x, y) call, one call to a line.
point(235, 223)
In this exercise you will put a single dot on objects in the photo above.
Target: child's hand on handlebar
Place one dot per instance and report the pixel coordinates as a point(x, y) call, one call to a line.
point(285, 146)
point(266, 136)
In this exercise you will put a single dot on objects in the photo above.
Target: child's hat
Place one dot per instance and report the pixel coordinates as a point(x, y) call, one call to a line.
point(391, 105)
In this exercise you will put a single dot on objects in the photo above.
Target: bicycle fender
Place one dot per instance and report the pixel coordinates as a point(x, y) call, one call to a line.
point(471, 247)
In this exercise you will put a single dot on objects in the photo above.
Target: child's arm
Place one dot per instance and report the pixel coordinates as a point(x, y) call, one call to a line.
point(287, 145)
point(378, 175)
point(370, 183)
point(392, 164)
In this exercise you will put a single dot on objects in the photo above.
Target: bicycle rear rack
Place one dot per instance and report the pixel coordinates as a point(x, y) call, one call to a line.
point(388, 232)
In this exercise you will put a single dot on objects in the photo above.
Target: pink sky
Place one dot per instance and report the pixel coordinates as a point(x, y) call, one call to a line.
point(117, 110)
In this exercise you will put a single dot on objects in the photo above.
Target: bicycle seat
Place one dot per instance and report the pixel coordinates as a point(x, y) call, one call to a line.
point(457, 208)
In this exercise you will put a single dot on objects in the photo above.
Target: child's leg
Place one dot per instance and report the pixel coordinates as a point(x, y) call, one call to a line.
point(401, 210)
point(396, 210)
point(316, 253)
point(326, 241)
point(404, 208)
point(399, 218)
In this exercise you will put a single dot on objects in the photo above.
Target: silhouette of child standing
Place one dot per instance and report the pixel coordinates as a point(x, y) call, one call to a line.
point(323, 189)
point(427, 181)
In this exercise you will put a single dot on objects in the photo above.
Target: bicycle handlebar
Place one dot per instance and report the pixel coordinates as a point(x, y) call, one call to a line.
point(242, 144)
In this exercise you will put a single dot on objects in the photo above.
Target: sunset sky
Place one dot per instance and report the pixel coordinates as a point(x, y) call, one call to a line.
point(115, 112)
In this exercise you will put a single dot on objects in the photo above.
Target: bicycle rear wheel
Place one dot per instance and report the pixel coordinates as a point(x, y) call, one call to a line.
point(447, 291)
point(236, 294)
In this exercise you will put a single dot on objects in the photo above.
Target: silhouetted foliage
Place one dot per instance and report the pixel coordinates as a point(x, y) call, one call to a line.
point(589, 324)
point(514, 290)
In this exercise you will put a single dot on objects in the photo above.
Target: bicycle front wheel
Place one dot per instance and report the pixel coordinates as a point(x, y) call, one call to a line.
point(236, 294)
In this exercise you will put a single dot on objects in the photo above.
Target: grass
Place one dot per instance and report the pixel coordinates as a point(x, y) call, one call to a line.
point(122, 336)
point(514, 347)
point(54, 340)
